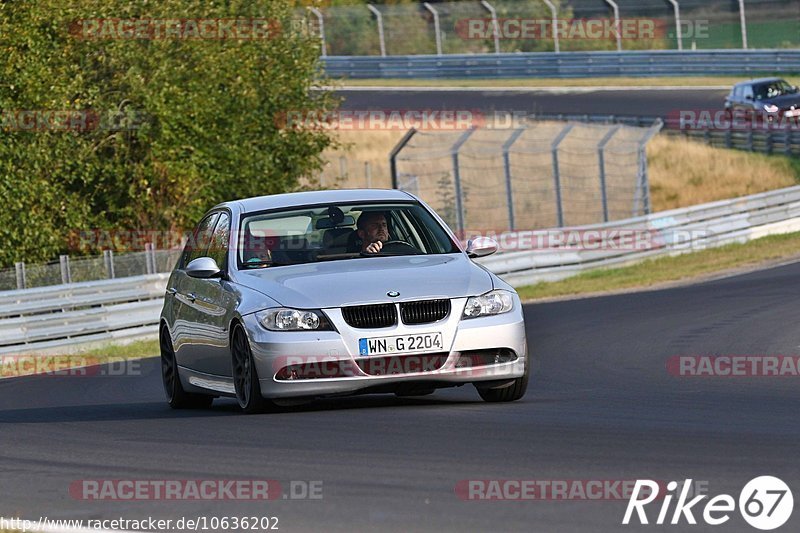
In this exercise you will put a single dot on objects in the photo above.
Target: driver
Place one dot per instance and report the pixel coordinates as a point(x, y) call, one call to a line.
point(373, 231)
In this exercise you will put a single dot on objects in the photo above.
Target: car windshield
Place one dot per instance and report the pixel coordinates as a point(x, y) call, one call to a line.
point(339, 232)
point(772, 89)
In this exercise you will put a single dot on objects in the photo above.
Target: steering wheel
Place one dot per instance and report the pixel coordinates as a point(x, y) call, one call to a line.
point(399, 247)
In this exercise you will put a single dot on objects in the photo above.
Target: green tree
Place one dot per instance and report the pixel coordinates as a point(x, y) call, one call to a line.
point(183, 123)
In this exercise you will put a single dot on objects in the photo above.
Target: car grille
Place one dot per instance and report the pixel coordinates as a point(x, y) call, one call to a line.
point(424, 312)
point(370, 316)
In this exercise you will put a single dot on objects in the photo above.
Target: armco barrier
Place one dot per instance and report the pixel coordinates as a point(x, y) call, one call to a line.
point(568, 64)
point(678, 231)
point(126, 308)
point(50, 317)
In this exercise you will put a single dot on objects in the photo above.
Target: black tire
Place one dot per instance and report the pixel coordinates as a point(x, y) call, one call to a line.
point(245, 375)
point(511, 393)
point(177, 398)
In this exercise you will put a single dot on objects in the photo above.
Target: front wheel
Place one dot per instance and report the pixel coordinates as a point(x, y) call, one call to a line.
point(177, 397)
point(245, 376)
point(510, 393)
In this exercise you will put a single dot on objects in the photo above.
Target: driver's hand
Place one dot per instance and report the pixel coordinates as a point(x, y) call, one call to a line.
point(374, 248)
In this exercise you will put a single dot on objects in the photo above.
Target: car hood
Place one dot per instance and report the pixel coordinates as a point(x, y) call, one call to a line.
point(784, 102)
point(367, 280)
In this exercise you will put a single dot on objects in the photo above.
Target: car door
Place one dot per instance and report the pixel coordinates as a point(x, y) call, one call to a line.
point(748, 104)
point(183, 328)
point(734, 98)
point(212, 303)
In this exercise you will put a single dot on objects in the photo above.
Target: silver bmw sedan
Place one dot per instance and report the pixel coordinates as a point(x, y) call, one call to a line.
point(286, 298)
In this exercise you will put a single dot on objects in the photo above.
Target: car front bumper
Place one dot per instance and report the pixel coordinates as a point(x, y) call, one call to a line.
point(318, 351)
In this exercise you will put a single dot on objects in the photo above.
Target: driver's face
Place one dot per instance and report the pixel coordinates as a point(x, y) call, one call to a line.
point(375, 230)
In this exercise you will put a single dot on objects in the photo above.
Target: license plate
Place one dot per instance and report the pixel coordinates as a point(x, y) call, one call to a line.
point(401, 344)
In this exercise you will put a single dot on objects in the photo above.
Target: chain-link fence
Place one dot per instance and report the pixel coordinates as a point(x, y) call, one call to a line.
point(76, 269)
point(538, 175)
point(466, 27)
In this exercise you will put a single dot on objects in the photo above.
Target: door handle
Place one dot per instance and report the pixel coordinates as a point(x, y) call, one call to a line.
point(192, 297)
point(172, 291)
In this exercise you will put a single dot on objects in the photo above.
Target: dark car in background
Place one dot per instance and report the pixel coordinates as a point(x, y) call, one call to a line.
point(772, 98)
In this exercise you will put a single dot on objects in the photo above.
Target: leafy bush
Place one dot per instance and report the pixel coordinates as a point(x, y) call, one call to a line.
point(179, 124)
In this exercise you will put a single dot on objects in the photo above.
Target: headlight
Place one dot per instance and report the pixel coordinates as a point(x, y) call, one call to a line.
point(769, 108)
point(294, 320)
point(491, 303)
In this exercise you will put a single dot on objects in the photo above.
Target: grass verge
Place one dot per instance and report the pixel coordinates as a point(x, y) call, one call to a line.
point(682, 171)
point(664, 270)
point(689, 81)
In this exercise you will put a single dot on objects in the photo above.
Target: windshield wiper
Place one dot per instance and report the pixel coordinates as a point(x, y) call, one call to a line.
point(336, 257)
point(266, 263)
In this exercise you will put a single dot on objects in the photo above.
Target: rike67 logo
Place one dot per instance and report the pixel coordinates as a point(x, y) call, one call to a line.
point(765, 503)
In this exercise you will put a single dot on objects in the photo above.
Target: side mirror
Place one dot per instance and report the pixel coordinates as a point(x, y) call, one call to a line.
point(749, 97)
point(481, 247)
point(203, 268)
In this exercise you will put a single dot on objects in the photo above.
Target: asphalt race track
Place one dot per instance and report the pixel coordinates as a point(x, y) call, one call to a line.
point(650, 103)
point(602, 407)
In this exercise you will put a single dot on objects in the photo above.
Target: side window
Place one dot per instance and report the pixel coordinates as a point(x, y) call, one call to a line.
point(748, 91)
point(738, 92)
point(218, 251)
point(199, 240)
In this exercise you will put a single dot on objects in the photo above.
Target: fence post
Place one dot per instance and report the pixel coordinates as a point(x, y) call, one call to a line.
point(678, 32)
point(743, 21)
point(787, 142)
point(368, 174)
point(557, 174)
point(394, 153)
point(436, 27)
point(615, 7)
point(321, 21)
point(507, 168)
point(379, 18)
point(22, 282)
point(643, 183)
point(108, 259)
point(601, 156)
point(554, 13)
point(495, 25)
point(460, 222)
point(342, 166)
point(66, 275)
point(149, 258)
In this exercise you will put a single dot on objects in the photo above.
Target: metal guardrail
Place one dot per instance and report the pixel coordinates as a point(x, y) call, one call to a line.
point(674, 232)
point(764, 138)
point(59, 316)
point(50, 317)
point(567, 64)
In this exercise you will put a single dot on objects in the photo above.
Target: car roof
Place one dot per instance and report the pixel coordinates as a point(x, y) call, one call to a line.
point(758, 81)
point(298, 199)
